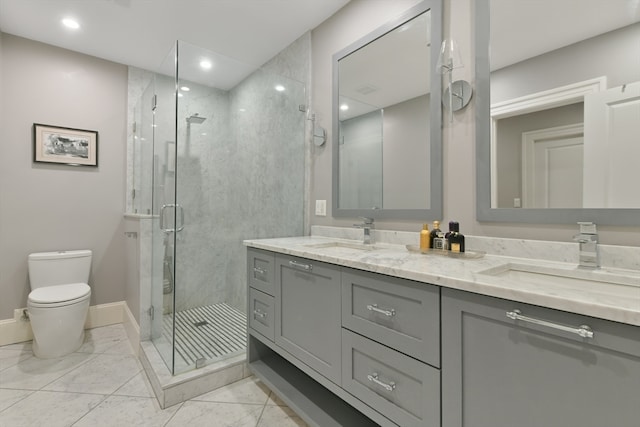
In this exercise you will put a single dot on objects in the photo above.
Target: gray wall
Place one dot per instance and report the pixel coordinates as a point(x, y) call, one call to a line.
point(355, 20)
point(50, 207)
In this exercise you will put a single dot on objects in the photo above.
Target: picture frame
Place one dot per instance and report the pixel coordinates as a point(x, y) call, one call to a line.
point(62, 145)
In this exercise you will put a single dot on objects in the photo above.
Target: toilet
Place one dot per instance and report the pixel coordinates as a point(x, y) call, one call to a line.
point(59, 301)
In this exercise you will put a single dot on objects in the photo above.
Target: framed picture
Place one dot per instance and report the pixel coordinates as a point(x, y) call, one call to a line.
point(54, 144)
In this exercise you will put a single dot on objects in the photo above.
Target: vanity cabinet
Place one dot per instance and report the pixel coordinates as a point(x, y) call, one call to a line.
point(500, 371)
point(346, 347)
point(307, 316)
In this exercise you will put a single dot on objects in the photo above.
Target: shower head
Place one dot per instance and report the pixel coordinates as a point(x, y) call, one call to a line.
point(195, 118)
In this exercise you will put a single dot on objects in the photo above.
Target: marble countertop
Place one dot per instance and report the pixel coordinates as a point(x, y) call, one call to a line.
point(616, 302)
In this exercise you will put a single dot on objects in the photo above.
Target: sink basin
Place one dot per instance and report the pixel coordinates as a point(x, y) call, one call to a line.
point(344, 245)
point(543, 275)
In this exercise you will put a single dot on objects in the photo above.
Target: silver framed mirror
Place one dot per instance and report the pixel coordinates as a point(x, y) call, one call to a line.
point(544, 152)
point(387, 144)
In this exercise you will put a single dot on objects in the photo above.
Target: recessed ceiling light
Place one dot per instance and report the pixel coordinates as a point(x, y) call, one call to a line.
point(70, 23)
point(206, 64)
point(185, 89)
point(344, 107)
point(279, 88)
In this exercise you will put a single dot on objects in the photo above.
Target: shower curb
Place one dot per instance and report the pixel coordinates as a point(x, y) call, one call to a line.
point(170, 390)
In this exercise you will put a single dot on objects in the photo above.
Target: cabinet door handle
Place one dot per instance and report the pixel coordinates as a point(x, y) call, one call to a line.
point(374, 379)
point(306, 267)
point(260, 313)
point(583, 330)
point(388, 313)
point(259, 270)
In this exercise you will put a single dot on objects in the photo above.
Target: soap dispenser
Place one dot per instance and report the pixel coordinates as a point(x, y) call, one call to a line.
point(424, 238)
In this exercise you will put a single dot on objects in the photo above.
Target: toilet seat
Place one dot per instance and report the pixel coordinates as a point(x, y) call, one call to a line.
point(59, 295)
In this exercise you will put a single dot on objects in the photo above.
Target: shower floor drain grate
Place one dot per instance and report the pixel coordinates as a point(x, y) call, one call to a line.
point(211, 331)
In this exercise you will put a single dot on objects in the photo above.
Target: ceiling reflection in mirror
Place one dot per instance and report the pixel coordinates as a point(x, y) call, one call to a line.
point(384, 103)
point(565, 104)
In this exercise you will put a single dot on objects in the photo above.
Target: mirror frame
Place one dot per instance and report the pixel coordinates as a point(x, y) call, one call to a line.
point(485, 212)
point(434, 212)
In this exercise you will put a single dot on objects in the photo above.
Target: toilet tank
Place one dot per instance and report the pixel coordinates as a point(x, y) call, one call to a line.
point(58, 268)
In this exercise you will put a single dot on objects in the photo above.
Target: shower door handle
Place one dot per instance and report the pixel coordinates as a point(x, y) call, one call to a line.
point(177, 208)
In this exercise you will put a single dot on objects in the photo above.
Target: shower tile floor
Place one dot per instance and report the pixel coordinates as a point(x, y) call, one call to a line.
point(211, 332)
point(103, 384)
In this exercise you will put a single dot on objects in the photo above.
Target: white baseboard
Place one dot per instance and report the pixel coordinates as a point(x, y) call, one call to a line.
point(18, 329)
point(132, 329)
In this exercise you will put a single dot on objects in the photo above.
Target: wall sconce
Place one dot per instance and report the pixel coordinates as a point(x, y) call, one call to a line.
point(457, 94)
point(319, 133)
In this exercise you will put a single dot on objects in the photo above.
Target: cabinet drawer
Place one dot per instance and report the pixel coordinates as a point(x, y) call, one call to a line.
point(399, 313)
point(261, 313)
point(403, 389)
point(261, 270)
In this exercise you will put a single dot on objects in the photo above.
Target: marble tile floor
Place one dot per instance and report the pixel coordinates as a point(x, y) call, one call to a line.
point(103, 384)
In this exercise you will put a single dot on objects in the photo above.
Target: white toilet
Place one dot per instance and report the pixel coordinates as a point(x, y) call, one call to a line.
point(59, 301)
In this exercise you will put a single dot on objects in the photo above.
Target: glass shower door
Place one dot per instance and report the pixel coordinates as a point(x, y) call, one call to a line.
point(167, 219)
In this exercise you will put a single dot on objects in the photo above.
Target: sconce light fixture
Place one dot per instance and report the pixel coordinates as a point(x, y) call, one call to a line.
point(319, 133)
point(457, 94)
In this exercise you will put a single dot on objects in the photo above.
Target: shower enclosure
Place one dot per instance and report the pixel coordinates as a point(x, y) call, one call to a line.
point(226, 144)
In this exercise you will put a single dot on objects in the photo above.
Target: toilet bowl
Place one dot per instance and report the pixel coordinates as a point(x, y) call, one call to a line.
point(59, 301)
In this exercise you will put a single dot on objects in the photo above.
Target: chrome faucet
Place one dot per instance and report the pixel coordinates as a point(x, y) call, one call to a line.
point(588, 239)
point(367, 226)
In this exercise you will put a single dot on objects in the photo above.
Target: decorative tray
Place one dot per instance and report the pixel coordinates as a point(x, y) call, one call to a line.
point(462, 255)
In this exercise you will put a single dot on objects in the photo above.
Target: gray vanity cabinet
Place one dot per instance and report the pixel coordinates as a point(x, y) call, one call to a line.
point(307, 317)
point(498, 371)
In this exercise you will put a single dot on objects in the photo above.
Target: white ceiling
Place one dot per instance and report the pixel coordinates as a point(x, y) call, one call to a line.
point(142, 32)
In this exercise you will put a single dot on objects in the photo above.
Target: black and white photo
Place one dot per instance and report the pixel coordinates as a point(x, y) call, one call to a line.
point(54, 144)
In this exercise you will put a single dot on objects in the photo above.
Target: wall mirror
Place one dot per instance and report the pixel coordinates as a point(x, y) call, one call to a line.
point(387, 150)
point(558, 111)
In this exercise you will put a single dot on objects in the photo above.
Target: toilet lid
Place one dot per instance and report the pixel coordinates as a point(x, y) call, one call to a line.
point(59, 293)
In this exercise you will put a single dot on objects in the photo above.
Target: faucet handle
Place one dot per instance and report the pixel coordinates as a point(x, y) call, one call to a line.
point(367, 221)
point(587, 228)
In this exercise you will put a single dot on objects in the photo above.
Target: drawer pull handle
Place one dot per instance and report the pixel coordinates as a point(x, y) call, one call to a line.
point(388, 313)
point(259, 270)
point(260, 313)
point(374, 379)
point(306, 267)
point(583, 330)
